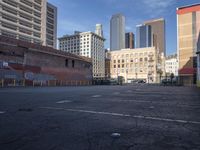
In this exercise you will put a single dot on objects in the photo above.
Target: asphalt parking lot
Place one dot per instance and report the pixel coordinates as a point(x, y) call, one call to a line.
point(142, 117)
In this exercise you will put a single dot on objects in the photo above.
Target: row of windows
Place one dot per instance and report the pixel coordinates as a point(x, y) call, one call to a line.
point(22, 30)
point(67, 63)
point(38, 1)
point(131, 60)
point(50, 20)
point(132, 65)
point(25, 2)
point(136, 70)
point(21, 22)
point(50, 10)
point(133, 55)
point(23, 15)
point(50, 15)
point(171, 63)
point(66, 42)
point(21, 37)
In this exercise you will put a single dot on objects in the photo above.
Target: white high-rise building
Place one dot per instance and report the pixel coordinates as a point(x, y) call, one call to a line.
point(117, 32)
point(86, 44)
point(29, 20)
point(171, 65)
point(99, 30)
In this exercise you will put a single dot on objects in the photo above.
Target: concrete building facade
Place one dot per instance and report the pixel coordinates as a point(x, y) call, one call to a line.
point(117, 32)
point(129, 40)
point(86, 44)
point(188, 24)
point(51, 26)
point(171, 65)
point(29, 20)
point(136, 64)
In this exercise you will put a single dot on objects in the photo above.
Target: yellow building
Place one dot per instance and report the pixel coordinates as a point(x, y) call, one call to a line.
point(188, 23)
point(136, 64)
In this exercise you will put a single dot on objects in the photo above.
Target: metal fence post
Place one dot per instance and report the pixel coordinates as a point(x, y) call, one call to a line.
point(23, 82)
point(2, 82)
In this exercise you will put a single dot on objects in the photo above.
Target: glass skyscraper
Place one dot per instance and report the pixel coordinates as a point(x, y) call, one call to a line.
point(117, 32)
point(129, 40)
point(144, 36)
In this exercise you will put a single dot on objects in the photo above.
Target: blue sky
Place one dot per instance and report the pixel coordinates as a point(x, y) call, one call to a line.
point(82, 15)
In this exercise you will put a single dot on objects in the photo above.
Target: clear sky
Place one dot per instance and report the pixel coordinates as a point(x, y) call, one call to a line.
point(83, 15)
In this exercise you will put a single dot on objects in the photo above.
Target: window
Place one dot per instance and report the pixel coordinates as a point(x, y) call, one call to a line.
point(66, 63)
point(73, 63)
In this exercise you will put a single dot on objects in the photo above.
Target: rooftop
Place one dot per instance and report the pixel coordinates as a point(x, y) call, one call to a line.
point(43, 49)
point(187, 6)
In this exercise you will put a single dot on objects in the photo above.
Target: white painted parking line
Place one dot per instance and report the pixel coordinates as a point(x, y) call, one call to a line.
point(129, 91)
point(123, 115)
point(116, 93)
point(63, 101)
point(2, 112)
point(95, 96)
point(151, 107)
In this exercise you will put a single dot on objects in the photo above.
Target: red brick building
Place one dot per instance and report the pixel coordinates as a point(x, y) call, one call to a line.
point(39, 63)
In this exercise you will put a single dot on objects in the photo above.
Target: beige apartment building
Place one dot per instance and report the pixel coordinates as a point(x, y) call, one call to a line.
point(134, 64)
point(33, 21)
point(188, 24)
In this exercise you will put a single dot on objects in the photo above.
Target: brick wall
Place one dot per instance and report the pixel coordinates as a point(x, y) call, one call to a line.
point(27, 57)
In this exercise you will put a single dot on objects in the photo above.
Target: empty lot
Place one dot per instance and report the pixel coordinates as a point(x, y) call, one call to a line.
point(84, 118)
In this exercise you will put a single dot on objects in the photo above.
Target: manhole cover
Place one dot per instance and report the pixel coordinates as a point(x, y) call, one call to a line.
point(115, 135)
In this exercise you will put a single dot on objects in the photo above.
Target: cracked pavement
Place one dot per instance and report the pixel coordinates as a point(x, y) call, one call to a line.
point(83, 118)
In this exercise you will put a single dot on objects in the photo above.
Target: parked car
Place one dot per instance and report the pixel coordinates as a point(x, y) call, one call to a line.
point(141, 81)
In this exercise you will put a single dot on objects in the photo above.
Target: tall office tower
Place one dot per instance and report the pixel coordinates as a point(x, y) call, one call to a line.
point(144, 36)
point(86, 44)
point(188, 24)
point(117, 32)
point(99, 30)
point(26, 20)
point(158, 34)
point(129, 40)
point(51, 26)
